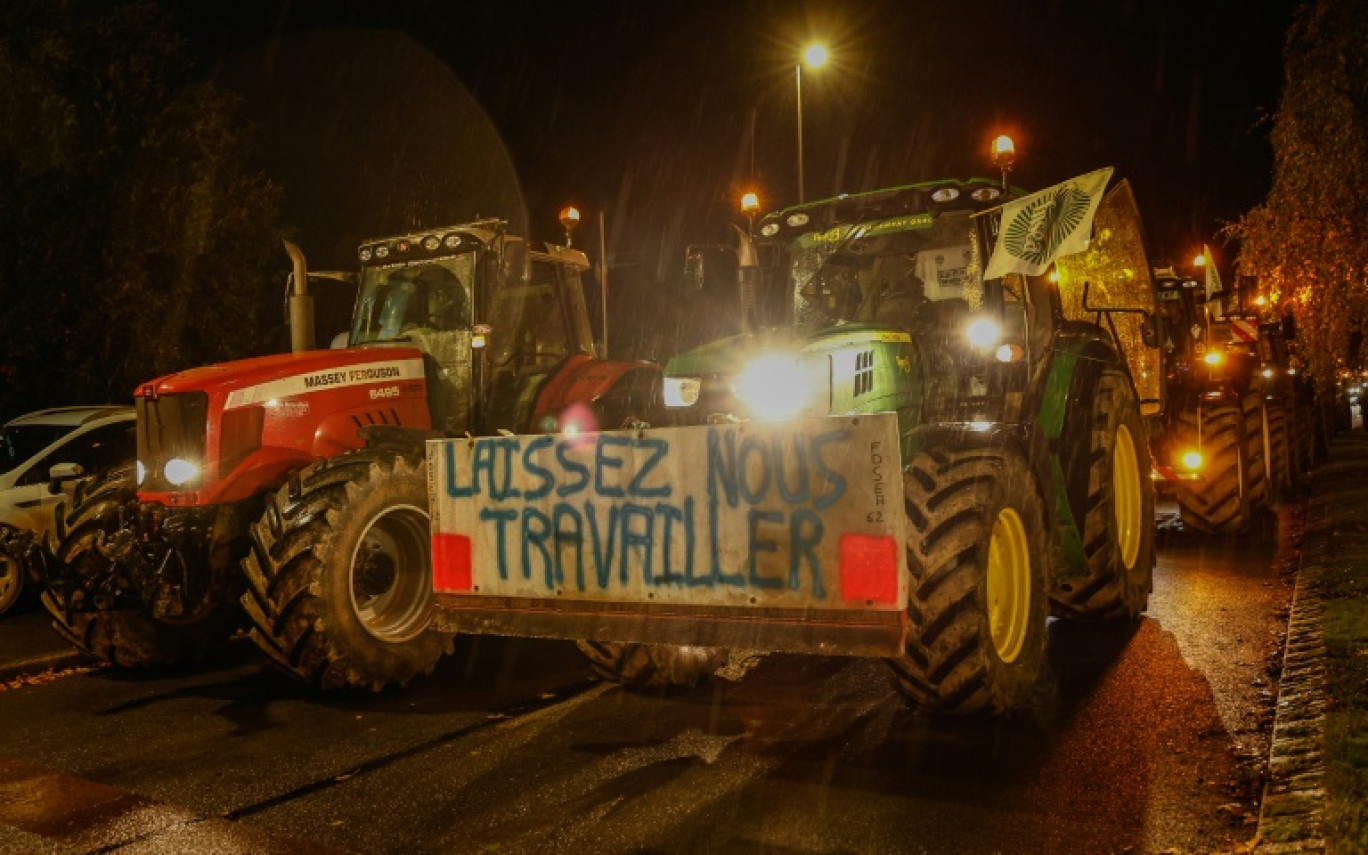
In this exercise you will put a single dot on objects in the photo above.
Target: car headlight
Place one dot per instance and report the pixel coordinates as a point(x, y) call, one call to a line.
point(179, 471)
point(775, 386)
point(681, 391)
point(983, 332)
point(141, 470)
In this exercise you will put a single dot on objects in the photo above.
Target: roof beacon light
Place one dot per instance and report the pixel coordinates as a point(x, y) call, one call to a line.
point(569, 218)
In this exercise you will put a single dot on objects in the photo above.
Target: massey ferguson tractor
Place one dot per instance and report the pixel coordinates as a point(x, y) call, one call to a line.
point(297, 483)
point(896, 457)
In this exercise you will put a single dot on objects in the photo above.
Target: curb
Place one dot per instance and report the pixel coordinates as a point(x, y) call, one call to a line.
point(1294, 800)
point(10, 671)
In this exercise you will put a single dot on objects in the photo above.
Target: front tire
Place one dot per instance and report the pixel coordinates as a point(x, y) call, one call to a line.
point(339, 575)
point(1215, 504)
point(977, 549)
point(107, 597)
point(13, 568)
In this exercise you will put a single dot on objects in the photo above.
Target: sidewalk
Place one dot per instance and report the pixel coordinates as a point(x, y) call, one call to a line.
point(28, 644)
point(1316, 798)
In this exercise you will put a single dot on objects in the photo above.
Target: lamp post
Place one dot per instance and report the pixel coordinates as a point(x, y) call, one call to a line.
point(815, 56)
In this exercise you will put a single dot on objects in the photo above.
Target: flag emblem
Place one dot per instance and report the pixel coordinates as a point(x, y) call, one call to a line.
point(1041, 226)
point(1046, 225)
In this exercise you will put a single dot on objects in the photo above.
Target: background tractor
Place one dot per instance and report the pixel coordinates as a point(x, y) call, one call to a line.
point(296, 483)
point(1241, 422)
point(1016, 408)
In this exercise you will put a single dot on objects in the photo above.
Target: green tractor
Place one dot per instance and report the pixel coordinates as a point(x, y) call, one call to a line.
point(1021, 406)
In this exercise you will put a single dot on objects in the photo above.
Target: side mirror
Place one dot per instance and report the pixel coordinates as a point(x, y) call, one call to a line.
point(61, 473)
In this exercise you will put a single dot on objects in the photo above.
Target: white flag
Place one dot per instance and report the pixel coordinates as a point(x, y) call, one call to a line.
point(1213, 276)
point(1043, 226)
point(1213, 284)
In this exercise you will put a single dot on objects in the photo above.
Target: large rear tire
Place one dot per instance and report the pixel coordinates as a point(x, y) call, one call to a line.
point(977, 550)
point(108, 598)
point(339, 577)
point(1281, 460)
point(652, 665)
point(1118, 522)
point(1215, 503)
point(1256, 483)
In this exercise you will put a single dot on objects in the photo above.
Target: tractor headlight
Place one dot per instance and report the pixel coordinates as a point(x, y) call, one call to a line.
point(983, 333)
point(179, 471)
point(1191, 460)
point(775, 386)
point(681, 391)
point(1213, 357)
point(141, 471)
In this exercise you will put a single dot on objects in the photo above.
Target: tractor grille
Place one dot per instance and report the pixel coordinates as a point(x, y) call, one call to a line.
point(170, 426)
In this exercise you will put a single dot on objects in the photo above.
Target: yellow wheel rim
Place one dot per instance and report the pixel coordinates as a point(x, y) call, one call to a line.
point(1126, 497)
point(1009, 585)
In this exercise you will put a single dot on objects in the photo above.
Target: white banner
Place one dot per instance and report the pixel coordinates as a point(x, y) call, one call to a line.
point(804, 515)
point(1043, 226)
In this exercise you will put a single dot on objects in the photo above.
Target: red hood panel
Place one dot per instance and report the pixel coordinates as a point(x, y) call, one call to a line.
point(228, 376)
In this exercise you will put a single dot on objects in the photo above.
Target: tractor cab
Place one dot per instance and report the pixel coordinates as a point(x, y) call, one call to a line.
point(493, 320)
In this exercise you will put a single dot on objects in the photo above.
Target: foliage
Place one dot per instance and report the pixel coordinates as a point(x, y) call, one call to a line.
point(1308, 240)
point(136, 233)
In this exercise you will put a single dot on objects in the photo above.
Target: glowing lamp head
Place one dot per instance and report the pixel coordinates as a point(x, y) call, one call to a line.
point(815, 56)
point(569, 217)
point(750, 203)
point(774, 386)
point(1004, 151)
point(1213, 358)
point(1191, 460)
point(983, 333)
point(1260, 300)
point(1268, 373)
point(141, 471)
point(1199, 260)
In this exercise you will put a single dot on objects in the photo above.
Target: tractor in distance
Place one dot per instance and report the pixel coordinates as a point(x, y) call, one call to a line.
point(295, 484)
point(875, 359)
point(1229, 443)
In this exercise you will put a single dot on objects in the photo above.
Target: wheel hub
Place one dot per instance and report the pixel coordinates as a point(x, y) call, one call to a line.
point(1127, 495)
point(1008, 585)
point(391, 574)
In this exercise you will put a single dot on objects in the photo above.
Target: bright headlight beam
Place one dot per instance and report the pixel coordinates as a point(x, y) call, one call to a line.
point(774, 387)
point(179, 471)
point(983, 332)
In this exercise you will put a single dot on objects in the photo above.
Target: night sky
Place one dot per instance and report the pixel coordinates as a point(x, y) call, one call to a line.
point(663, 112)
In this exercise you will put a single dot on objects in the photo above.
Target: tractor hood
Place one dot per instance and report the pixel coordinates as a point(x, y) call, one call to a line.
point(726, 356)
point(283, 375)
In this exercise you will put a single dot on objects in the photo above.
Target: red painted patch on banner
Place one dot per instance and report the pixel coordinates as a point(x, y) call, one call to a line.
point(451, 563)
point(869, 568)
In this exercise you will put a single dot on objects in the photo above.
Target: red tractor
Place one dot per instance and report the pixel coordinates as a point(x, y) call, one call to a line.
point(258, 481)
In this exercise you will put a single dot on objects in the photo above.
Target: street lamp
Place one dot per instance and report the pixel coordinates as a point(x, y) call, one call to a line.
point(816, 56)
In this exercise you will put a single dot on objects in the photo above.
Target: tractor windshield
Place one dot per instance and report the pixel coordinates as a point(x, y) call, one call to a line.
point(399, 301)
point(881, 271)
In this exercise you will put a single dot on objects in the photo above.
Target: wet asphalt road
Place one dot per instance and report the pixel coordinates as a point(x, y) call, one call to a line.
point(1143, 747)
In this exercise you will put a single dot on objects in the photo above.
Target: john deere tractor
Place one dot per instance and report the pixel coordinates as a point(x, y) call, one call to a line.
point(297, 483)
point(874, 357)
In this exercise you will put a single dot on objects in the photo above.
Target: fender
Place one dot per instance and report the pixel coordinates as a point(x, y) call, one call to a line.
point(614, 391)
